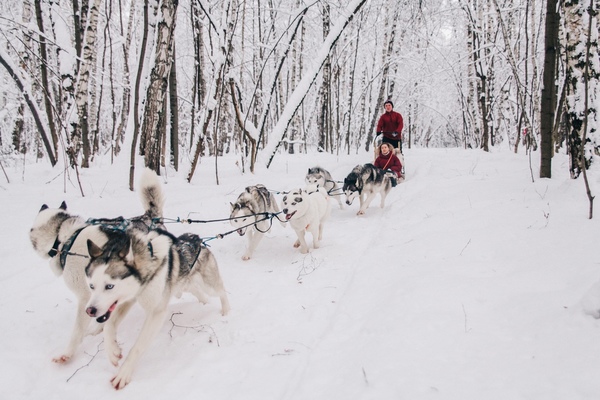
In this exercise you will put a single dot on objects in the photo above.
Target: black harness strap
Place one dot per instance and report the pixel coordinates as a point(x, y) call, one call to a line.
point(66, 248)
point(54, 250)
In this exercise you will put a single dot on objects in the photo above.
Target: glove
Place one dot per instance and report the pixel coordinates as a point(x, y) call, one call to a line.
point(395, 134)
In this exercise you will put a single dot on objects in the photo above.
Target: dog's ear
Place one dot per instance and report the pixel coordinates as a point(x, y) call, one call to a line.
point(63, 205)
point(44, 207)
point(126, 249)
point(93, 249)
point(232, 206)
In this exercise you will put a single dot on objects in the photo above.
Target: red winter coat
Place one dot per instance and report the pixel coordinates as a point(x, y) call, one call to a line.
point(391, 161)
point(389, 123)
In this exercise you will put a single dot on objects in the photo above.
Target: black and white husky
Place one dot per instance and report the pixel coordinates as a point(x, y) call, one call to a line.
point(251, 214)
point(61, 237)
point(322, 178)
point(150, 269)
point(365, 182)
point(307, 211)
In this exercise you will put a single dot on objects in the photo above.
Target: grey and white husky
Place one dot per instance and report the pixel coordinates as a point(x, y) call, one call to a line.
point(365, 182)
point(61, 237)
point(322, 178)
point(249, 214)
point(150, 269)
point(307, 211)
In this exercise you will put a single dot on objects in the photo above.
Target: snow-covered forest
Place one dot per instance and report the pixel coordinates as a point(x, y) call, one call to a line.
point(176, 81)
point(478, 279)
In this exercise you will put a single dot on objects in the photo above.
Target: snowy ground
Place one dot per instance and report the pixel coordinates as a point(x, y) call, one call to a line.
point(472, 283)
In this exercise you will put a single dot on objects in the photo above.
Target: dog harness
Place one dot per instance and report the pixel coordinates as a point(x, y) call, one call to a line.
point(65, 249)
point(188, 247)
point(118, 223)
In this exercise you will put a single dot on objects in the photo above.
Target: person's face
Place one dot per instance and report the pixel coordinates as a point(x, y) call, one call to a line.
point(385, 149)
point(388, 107)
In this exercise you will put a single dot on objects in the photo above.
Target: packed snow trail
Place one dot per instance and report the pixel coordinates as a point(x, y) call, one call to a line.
point(465, 286)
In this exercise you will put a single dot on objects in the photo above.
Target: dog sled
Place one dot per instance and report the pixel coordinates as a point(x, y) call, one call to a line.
point(398, 151)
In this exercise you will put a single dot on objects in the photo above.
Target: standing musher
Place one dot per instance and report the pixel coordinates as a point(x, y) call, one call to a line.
point(390, 126)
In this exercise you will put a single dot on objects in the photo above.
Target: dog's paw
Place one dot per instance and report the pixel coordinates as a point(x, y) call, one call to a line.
point(245, 257)
point(360, 212)
point(121, 380)
point(304, 250)
point(296, 244)
point(62, 359)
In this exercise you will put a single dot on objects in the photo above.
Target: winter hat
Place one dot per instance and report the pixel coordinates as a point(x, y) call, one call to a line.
point(389, 102)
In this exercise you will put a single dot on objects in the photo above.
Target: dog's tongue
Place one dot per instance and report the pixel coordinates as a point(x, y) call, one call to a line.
point(240, 232)
point(105, 317)
point(289, 216)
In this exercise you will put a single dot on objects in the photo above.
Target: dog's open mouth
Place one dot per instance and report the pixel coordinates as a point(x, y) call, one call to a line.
point(289, 216)
point(241, 231)
point(104, 318)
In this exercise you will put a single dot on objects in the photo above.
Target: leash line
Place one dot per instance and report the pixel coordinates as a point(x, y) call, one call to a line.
point(266, 216)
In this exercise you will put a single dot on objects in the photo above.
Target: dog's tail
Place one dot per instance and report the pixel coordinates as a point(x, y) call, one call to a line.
point(151, 193)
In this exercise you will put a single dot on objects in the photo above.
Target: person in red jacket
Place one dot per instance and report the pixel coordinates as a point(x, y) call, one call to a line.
point(390, 126)
point(387, 160)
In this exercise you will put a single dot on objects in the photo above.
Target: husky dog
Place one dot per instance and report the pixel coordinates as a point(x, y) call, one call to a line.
point(62, 237)
point(365, 182)
point(307, 211)
point(322, 178)
point(249, 214)
point(148, 268)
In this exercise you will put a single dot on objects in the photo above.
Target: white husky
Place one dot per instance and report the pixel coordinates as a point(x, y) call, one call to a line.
point(150, 269)
point(251, 213)
point(307, 211)
point(61, 238)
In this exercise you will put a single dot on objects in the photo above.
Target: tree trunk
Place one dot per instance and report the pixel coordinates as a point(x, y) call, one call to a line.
point(44, 74)
point(548, 100)
point(324, 119)
point(580, 72)
point(81, 129)
point(125, 106)
point(174, 111)
point(136, 95)
point(5, 62)
point(154, 115)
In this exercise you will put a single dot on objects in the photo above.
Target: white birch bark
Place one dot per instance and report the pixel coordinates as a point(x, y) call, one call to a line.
point(154, 115)
point(80, 125)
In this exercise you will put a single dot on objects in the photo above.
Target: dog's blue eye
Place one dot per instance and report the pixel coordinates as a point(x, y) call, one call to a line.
point(109, 286)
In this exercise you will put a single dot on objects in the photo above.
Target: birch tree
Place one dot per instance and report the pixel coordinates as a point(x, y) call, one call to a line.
point(582, 71)
point(80, 125)
point(154, 113)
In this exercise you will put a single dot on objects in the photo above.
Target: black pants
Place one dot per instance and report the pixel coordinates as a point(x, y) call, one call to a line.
point(396, 143)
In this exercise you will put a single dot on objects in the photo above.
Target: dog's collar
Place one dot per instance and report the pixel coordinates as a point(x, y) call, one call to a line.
point(54, 250)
